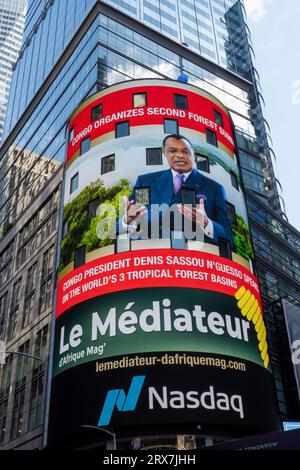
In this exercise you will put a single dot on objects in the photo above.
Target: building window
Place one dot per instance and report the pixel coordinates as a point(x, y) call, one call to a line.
point(170, 126)
point(5, 377)
point(14, 317)
point(47, 263)
point(3, 310)
point(18, 421)
point(65, 228)
point(71, 134)
point(45, 295)
point(36, 402)
point(28, 309)
point(230, 211)
point(154, 156)
point(96, 112)
point(202, 163)
point(253, 267)
point(92, 208)
point(85, 145)
point(31, 279)
point(180, 101)
point(74, 183)
point(107, 164)
point(122, 129)
point(224, 247)
point(22, 364)
point(40, 346)
point(79, 257)
point(16, 293)
point(234, 180)
point(211, 137)
point(3, 418)
point(139, 100)
point(13, 323)
point(218, 118)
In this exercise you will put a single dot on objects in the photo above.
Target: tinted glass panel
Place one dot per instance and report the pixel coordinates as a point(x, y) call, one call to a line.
point(97, 112)
point(224, 248)
point(122, 129)
point(234, 180)
point(218, 118)
point(85, 146)
point(154, 156)
point(211, 137)
point(180, 101)
point(107, 164)
point(79, 257)
point(92, 208)
point(71, 134)
point(170, 126)
point(202, 163)
point(74, 183)
point(230, 210)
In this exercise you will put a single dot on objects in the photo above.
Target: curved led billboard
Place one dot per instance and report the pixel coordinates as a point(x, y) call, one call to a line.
point(158, 317)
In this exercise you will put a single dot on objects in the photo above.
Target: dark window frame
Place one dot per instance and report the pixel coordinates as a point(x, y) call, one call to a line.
point(178, 95)
point(224, 248)
point(103, 159)
point(99, 105)
point(87, 139)
point(18, 413)
point(72, 179)
point(218, 115)
point(173, 120)
point(207, 162)
point(71, 132)
point(230, 206)
point(116, 129)
point(148, 157)
point(36, 401)
point(136, 94)
point(91, 207)
point(210, 132)
point(78, 263)
point(234, 180)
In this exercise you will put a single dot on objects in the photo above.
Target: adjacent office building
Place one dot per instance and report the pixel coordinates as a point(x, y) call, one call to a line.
point(12, 22)
point(72, 49)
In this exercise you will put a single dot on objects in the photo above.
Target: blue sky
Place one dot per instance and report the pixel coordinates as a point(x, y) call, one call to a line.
point(275, 29)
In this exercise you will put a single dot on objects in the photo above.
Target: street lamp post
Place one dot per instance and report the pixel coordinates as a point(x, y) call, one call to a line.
point(3, 352)
point(98, 428)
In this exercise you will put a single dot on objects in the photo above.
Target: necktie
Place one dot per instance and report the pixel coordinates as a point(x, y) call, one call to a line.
point(178, 181)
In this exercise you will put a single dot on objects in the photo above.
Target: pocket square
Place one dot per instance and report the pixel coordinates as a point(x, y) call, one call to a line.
point(201, 196)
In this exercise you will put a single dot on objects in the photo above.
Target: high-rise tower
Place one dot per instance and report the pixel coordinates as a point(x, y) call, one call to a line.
point(72, 49)
point(12, 21)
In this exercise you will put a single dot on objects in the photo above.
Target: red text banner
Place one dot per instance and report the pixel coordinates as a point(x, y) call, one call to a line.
point(117, 106)
point(153, 268)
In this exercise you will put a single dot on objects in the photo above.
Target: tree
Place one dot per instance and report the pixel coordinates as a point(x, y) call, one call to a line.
point(82, 231)
point(242, 238)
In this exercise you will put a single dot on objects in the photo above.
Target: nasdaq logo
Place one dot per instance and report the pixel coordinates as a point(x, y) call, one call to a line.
point(122, 401)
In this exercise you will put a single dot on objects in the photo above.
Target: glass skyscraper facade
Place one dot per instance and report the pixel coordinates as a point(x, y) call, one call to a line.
point(71, 49)
point(12, 21)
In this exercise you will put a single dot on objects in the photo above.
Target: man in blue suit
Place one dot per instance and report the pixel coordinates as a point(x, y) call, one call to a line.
point(165, 188)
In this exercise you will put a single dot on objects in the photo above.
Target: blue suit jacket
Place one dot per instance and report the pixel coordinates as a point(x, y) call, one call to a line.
point(161, 192)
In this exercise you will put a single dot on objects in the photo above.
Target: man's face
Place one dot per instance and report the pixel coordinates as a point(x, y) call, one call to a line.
point(179, 154)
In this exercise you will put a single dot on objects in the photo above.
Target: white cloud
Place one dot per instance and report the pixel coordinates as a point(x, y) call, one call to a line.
point(256, 9)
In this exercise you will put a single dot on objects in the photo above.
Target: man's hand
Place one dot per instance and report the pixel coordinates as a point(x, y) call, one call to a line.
point(133, 211)
point(197, 215)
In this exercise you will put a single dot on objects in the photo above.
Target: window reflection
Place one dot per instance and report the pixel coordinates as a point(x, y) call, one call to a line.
point(43, 132)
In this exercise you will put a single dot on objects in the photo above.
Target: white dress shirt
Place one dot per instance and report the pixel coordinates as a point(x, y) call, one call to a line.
point(209, 229)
